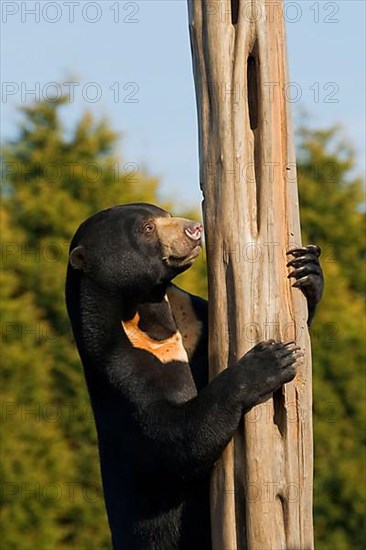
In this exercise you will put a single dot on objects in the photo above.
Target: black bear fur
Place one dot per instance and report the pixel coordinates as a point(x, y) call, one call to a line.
point(143, 344)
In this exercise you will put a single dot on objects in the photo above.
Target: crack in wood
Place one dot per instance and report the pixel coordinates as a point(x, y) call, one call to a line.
point(253, 108)
point(234, 11)
point(252, 86)
point(280, 412)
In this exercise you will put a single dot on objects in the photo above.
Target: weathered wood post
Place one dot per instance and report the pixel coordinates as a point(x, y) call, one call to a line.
point(261, 492)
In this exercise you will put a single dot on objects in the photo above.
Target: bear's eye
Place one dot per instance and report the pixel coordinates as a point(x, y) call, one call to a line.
point(149, 228)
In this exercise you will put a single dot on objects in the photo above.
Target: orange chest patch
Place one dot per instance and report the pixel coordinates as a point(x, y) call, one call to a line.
point(170, 349)
point(188, 325)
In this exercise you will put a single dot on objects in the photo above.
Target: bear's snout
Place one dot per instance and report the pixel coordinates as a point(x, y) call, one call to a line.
point(194, 230)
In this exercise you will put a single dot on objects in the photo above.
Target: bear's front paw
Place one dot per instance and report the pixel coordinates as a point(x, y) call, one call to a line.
point(307, 272)
point(271, 365)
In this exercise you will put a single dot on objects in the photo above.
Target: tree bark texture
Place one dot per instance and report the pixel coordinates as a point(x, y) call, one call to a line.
point(261, 490)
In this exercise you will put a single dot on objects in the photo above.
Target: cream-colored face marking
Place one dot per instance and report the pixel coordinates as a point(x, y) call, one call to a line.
point(168, 350)
point(188, 325)
point(175, 244)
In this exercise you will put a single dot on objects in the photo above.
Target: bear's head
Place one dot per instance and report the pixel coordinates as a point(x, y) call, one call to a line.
point(134, 248)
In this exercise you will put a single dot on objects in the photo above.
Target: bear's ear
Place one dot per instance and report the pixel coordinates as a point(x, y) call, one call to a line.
point(78, 257)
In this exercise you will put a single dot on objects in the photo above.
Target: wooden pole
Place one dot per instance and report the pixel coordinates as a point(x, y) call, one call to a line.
point(261, 491)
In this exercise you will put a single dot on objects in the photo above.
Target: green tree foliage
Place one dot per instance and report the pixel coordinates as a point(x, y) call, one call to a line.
point(52, 495)
point(53, 179)
point(333, 216)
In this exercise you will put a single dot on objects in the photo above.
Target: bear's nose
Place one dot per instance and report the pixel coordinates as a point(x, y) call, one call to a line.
point(194, 230)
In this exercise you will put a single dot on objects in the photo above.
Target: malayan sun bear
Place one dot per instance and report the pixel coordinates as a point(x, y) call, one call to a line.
point(143, 344)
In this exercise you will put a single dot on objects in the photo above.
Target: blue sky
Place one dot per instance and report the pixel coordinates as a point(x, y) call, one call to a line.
point(131, 62)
